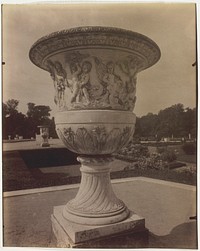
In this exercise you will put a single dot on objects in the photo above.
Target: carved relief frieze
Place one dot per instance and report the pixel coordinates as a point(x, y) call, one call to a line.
point(85, 81)
point(59, 77)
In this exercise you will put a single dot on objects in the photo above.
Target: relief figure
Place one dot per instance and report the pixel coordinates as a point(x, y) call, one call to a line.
point(81, 82)
point(111, 82)
point(114, 85)
point(74, 84)
point(129, 69)
point(59, 76)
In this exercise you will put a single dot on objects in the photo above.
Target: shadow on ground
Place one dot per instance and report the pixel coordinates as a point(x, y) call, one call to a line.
point(48, 157)
point(182, 236)
point(21, 169)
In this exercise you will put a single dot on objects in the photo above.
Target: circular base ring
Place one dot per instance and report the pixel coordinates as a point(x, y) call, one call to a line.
point(95, 220)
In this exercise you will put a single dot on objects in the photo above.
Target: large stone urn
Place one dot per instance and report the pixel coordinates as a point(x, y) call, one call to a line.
point(94, 72)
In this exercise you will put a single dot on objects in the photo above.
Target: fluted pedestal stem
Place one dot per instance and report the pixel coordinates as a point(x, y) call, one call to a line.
point(95, 202)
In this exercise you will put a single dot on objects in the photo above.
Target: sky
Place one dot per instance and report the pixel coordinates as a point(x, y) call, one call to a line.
point(170, 81)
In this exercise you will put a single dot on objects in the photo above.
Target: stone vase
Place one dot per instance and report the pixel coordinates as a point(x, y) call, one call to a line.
point(44, 133)
point(94, 73)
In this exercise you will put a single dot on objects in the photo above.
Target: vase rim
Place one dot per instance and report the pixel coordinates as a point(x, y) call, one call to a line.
point(106, 37)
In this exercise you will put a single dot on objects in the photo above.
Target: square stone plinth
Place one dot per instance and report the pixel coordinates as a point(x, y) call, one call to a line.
point(128, 233)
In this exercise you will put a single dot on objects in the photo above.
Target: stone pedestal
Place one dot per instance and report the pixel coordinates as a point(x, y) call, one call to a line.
point(130, 232)
point(95, 215)
point(95, 202)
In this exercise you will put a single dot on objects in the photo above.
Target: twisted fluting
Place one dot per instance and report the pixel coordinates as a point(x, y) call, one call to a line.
point(95, 202)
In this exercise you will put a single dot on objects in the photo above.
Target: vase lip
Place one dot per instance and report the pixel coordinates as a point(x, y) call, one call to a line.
point(93, 29)
point(37, 54)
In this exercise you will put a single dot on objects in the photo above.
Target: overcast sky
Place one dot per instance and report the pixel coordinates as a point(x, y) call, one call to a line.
point(171, 26)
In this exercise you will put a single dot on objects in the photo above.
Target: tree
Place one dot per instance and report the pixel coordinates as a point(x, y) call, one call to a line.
point(148, 125)
point(171, 121)
point(174, 120)
point(37, 115)
point(38, 112)
point(190, 121)
point(10, 108)
point(13, 121)
point(30, 109)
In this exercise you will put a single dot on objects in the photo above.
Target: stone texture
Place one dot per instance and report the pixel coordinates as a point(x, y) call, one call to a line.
point(68, 233)
point(95, 132)
point(27, 217)
point(95, 202)
point(44, 134)
point(94, 69)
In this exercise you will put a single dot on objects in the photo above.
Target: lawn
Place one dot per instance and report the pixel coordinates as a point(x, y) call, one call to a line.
point(182, 156)
point(22, 169)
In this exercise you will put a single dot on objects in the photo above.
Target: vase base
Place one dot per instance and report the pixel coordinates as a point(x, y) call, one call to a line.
point(97, 219)
point(45, 144)
point(69, 234)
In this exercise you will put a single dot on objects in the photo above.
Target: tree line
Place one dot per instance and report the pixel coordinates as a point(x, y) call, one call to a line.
point(26, 125)
point(175, 121)
point(172, 122)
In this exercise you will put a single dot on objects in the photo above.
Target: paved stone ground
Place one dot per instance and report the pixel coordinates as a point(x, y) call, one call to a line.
point(166, 207)
point(25, 145)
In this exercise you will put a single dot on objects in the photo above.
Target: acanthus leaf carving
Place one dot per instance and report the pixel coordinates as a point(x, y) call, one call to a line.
point(83, 139)
point(96, 140)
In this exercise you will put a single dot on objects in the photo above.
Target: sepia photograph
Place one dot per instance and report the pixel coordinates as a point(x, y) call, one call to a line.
point(99, 125)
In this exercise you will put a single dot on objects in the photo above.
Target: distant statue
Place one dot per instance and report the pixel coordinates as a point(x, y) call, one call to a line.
point(44, 132)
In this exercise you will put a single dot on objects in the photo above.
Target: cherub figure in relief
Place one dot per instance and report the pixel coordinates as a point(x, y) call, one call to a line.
point(74, 81)
point(129, 68)
point(114, 84)
point(110, 81)
point(81, 82)
point(59, 76)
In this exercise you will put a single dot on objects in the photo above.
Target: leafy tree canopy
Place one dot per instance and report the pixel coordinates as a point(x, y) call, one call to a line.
point(15, 122)
point(10, 107)
point(38, 113)
point(174, 121)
